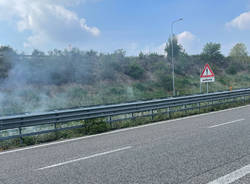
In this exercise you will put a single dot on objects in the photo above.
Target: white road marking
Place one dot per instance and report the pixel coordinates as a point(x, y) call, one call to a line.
point(233, 176)
point(227, 123)
point(84, 158)
point(117, 131)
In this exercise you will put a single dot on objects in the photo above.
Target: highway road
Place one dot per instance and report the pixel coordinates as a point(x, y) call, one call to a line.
point(211, 148)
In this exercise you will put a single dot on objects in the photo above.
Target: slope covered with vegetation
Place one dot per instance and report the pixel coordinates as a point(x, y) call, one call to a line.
point(72, 78)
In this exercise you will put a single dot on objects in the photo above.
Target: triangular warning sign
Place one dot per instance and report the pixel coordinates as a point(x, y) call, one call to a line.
point(207, 72)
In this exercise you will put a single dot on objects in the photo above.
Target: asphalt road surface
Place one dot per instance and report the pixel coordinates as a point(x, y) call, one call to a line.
point(212, 148)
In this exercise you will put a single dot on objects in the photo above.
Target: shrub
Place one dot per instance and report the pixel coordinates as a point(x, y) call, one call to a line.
point(235, 67)
point(231, 70)
point(134, 70)
point(140, 86)
point(164, 81)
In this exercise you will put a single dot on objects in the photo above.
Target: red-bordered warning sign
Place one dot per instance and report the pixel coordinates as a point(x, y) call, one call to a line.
point(207, 74)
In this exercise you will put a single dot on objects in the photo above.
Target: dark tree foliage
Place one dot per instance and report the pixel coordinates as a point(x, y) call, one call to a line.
point(212, 53)
point(239, 53)
point(7, 54)
point(134, 70)
point(177, 48)
point(37, 53)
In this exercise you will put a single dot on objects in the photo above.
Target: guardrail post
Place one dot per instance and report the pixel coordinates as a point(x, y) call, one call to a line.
point(152, 114)
point(85, 127)
point(20, 134)
point(110, 121)
point(132, 114)
point(55, 128)
point(168, 113)
point(199, 106)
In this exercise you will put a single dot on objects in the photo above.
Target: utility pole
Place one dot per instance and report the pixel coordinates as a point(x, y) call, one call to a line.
point(172, 55)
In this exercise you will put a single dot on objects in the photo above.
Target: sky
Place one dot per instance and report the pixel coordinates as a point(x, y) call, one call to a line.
point(133, 25)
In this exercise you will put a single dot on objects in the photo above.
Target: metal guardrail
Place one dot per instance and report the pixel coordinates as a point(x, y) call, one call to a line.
point(143, 108)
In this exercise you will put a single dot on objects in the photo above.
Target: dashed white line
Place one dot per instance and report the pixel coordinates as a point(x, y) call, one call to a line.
point(85, 158)
point(231, 177)
point(227, 123)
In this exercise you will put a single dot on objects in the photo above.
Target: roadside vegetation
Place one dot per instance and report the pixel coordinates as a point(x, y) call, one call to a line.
point(73, 78)
point(100, 125)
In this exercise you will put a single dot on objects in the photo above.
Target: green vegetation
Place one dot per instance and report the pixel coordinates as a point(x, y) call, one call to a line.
point(95, 126)
point(73, 78)
point(63, 79)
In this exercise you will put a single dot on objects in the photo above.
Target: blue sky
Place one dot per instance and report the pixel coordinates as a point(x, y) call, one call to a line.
point(133, 25)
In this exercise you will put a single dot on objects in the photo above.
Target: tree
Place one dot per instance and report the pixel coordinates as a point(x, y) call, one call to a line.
point(7, 55)
point(134, 70)
point(120, 53)
point(141, 55)
point(211, 53)
point(239, 52)
point(177, 48)
point(37, 53)
point(7, 51)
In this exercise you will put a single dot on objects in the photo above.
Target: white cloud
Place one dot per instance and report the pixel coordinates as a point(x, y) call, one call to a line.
point(48, 21)
point(189, 41)
point(185, 37)
point(161, 49)
point(241, 22)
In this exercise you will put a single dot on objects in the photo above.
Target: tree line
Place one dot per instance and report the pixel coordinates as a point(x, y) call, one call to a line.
point(59, 67)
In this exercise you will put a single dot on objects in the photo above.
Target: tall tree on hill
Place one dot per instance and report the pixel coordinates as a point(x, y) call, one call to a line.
point(177, 48)
point(212, 53)
point(239, 53)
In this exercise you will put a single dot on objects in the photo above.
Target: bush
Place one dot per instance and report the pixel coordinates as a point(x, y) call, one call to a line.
point(164, 81)
point(95, 126)
point(234, 68)
point(135, 71)
point(223, 80)
point(231, 70)
point(140, 86)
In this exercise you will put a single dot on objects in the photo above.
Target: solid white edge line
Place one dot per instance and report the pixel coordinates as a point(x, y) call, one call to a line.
point(227, 123)
point(233, 176)
point(84, 158)
point(120, 130)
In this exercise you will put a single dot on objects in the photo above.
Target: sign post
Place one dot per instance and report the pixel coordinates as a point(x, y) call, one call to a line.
point(207, 75)
point(200, 82)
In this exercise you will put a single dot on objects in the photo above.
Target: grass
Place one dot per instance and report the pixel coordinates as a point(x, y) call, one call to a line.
point(96, 126)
